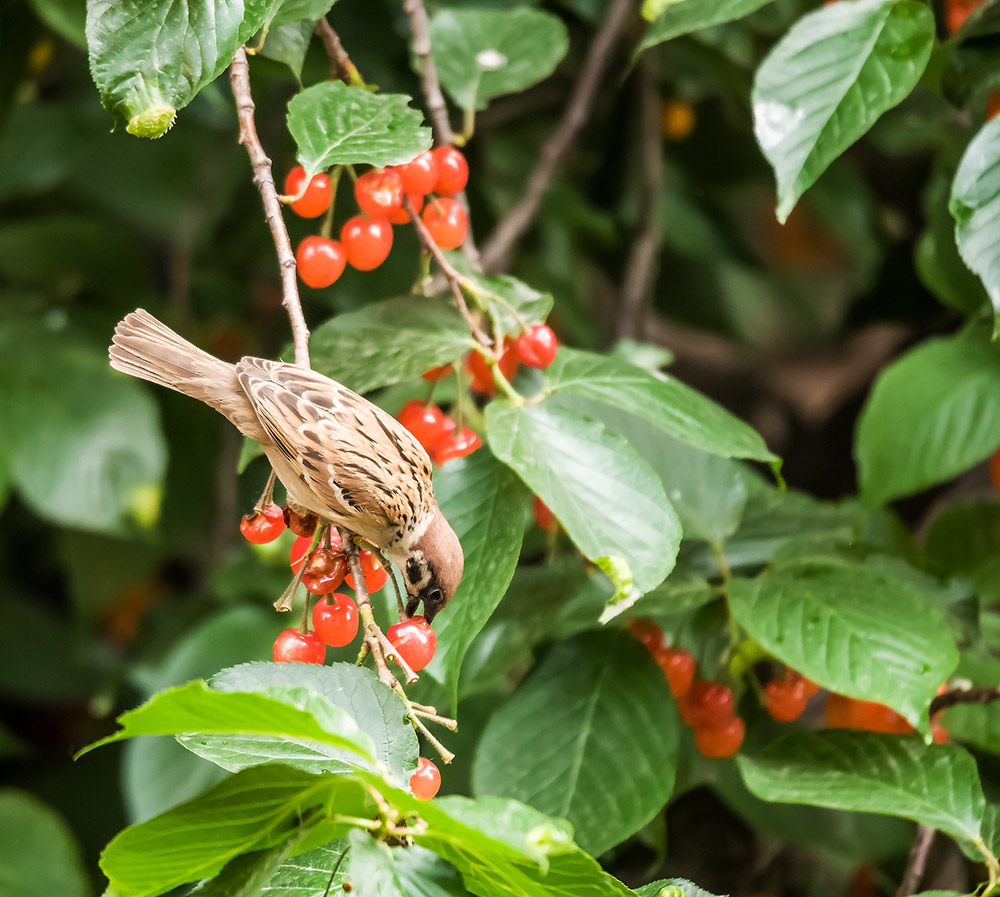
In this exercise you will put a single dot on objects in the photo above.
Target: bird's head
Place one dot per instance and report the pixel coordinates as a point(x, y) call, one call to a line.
point(432, 567)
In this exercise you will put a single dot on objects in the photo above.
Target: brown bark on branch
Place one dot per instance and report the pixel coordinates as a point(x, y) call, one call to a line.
point(263, 178)
point(340, 63)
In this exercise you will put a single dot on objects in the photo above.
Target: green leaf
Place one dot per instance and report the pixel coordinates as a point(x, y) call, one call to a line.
point(508, 301)
point(935, 785)
point(147, 67)
point(334, 124)
point(389, 341)
point(673, 887)
point(67, 18)
point(963, 537)
point(607, 498)
point(975, 205)
point(945, 396)
point(309, 873)
point(590, 736)
point(678, 594)
point(373, 869)
point(294, 11)
point(485, 53)
point(852, 628)
point(975, 724)
point(83, 445)
point(253, 810)
point(829, 79)
point(40, 857)
point(196, 708)
point(665, 402)
point(378, 711)
point(246, 875)
point(671, 18)
point(289, 44)
point(487, 506)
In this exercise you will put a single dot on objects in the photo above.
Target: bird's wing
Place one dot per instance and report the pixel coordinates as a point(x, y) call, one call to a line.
point(357, 459)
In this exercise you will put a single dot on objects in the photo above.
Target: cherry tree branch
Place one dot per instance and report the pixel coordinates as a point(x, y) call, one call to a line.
point(340, 63)
point(964, 696)
point(640, 269)
point(263, 178)
point(420, 29)
point(916, 864)
point(452, 276)
point(496, 252)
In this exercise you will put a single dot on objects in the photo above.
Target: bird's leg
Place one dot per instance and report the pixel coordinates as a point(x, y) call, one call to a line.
point(284, 603)
point(267, 496)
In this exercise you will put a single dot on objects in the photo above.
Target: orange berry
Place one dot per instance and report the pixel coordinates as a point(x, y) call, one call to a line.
point(720, 741)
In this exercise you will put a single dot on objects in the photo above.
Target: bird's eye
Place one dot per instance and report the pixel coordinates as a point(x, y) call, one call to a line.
point(435, 595)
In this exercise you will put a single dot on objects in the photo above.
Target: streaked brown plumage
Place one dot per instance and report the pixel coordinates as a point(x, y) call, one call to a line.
point(338, 455)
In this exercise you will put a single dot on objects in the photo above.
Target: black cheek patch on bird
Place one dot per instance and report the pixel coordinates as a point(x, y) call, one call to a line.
point(413, 571)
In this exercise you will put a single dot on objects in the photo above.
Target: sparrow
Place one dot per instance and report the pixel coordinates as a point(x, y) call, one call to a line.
point(338, 456)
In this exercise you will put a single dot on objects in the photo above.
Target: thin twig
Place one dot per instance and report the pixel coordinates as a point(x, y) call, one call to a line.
point(452, 276)
point(964, 696)
point(263, 178)
point(496, 252)
point(340, 63)
point(640, 269)
point(371, 634)
point(917, 862)
point(420, 28)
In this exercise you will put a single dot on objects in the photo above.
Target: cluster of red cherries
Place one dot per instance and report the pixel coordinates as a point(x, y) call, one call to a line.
point(438, 433)
point(709, 706)
point(430, 182)
point(323, 566)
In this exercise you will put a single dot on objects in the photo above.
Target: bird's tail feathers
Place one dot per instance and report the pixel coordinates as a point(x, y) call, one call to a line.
point(146, 348)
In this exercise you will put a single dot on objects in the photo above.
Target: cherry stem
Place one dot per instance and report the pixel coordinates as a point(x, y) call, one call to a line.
point(326, 230)
point(304, 625)
point(284, 603)
point(454, 279)
point(267, 496)
point(414, 713)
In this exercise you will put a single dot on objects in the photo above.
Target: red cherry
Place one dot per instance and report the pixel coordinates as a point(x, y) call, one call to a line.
point(648, 633)
point(678, 666)
point(482, 374)
point(400, 215)
point(543, 516)
point(420, 176)
point(710, 704)
point(320, 261)
point(720, 741)
point(367, 241)
point(374, 573)
point(785, 699)
point(458, 445)
point(300, 524)
point(302, 647)
point(336, 622)
point(316, 199)
point(324, 571)
point(263, 526)
point(537, 348)
point(811, 688)
point(995, 469)
point(447, 222)
point(300, 548)
point(426, 781)
point(427, 423)
point(453, 171)
point(414, 640)
point(379, 192)
point(438, 373)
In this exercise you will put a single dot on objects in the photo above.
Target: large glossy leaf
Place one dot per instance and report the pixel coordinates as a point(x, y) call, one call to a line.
point(485, 53)
point(945, 396)
point(828, 80)
point(591, 736)
point(293, 715)
point(83, 445)
point(255, 809)
point(853, 628)
point(975, 205)
point(673, 887)
point(608, 499)
point(148, 66)
point(389, 341)
point(487, 507)
point(975, 724)
point(665, 402)
point(40, 857)
point(378, 711)
point(671, 18)
point(334, 124)
point(936, 785)
point(311, 874)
